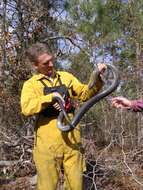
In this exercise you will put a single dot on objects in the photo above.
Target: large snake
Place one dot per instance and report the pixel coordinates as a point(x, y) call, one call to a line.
point(71, 124)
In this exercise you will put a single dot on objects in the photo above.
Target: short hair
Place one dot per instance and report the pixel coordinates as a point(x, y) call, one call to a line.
point(36, 50)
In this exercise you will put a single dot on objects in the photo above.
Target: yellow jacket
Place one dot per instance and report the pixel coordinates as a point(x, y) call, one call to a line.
point(33, 100)
point(54, 148)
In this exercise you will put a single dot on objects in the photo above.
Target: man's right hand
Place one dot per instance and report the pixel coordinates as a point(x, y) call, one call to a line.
point(56, 104)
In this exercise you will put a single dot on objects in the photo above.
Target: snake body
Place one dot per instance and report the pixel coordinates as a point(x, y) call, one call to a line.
point(71, 124)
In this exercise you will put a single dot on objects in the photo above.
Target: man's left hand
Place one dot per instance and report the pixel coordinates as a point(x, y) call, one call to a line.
point(102, 67)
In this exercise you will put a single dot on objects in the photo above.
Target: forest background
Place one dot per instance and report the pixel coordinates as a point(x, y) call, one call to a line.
point(92, 31)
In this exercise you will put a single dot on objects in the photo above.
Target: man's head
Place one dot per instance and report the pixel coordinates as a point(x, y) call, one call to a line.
point(41, 58)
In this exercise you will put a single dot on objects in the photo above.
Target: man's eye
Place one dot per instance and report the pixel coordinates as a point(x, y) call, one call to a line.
point(46, 63)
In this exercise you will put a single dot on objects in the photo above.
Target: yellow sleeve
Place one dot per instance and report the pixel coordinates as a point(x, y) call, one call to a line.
point(31, 103)
point(82, 91)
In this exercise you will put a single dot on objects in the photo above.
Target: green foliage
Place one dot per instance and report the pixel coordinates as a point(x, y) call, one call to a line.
point(97, 18)
point(128, 54)
point(81, 63)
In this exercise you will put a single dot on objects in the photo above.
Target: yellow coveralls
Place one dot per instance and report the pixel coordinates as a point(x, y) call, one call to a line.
point(53, 148)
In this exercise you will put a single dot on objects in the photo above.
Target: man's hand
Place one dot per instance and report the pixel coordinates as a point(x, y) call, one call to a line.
point(121, 102)
point(56, 104)
point(102, 67)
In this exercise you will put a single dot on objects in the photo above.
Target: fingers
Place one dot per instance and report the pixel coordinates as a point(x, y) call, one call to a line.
point(117, 104)
point(119, 98)
point(102, 67)
point(121, 102)
point(57, 106)
point(56, 94)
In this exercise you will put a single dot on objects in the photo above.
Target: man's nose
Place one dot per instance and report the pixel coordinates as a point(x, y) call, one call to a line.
point(50, 63)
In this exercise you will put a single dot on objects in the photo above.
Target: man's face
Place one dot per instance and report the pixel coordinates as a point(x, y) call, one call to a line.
point(45, 65)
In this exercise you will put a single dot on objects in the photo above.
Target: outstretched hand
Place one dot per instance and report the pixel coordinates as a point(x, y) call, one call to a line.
point(121, 102)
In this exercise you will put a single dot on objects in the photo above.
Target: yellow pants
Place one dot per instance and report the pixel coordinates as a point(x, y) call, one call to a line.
point(53, 150)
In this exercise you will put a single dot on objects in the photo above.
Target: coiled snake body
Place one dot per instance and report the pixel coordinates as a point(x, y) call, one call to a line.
point(71, 124)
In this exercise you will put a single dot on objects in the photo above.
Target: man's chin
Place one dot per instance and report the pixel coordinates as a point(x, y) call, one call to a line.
point(50, 73)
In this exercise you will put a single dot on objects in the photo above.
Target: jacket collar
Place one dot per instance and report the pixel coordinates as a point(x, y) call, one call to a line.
point(42, 76)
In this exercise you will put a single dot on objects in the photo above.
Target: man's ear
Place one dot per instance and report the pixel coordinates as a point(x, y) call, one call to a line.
point(35, 66)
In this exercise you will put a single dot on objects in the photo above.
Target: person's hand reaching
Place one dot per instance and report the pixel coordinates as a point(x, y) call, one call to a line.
point(121, 102)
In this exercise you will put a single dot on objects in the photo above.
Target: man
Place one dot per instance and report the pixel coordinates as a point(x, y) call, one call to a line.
point(122, 102)
point(54, 149)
